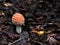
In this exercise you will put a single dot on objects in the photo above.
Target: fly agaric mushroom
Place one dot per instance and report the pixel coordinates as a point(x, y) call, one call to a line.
point(19, 20)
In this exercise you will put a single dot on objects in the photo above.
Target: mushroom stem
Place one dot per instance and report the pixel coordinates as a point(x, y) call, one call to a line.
point(18, 29)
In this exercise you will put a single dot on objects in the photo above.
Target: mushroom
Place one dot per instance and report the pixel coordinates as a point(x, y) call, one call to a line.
point(19, 20)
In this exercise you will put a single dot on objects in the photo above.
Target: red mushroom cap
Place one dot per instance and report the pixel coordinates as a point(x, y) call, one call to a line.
point(18, 19)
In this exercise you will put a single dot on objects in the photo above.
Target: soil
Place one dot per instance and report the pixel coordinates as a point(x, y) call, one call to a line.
point(39, 14)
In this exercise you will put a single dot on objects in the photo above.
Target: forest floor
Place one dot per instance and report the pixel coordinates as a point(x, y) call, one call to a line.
point(40, 15)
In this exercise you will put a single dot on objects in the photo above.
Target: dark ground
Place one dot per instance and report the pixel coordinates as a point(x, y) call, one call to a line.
point(36, 12)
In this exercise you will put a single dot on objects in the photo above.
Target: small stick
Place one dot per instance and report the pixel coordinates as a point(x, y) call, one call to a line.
point(15, 41)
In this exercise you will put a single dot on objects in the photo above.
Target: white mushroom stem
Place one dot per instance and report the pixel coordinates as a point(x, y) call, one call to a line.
point(18, 29)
